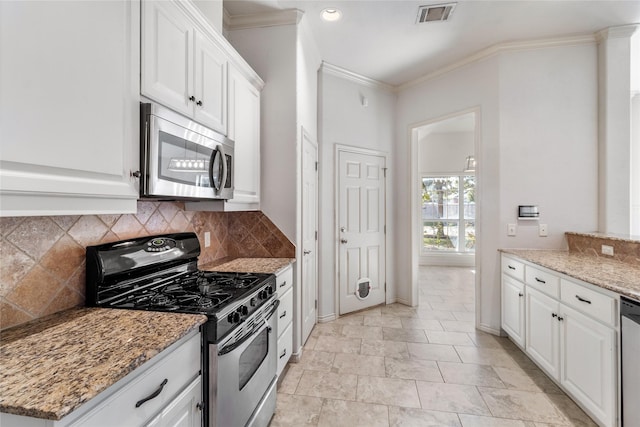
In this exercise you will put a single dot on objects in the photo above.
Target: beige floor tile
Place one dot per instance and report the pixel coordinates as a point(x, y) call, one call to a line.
point(470, 374)
point(398, 310)
point(388, 391)
point(338, 344)
point(522, 405)
point(311, 343)
point(350, 319)
point(458, 326)
point(394, 349)
point(526, 380)
point(293, 411)
point(404, 335)
point(359, 364)
point(451, 305)
point(478, 421)
point(373, 311)
point(417, 323)
point(570, 410)
point(465, 316)
point(449, 338)
point(437, 352)
point(413, 369)
point(451, 398)
point(328, 384)
point(317, 360)
point(289, 383)
point(353, 414)
point(411, 417)
point(485, 356)
point(483, 339)
point(387, 321)
point(326, 329)
point(434, 315)
point(364, 332)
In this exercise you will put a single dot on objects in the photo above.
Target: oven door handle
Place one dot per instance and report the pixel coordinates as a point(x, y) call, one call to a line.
point(256, 330)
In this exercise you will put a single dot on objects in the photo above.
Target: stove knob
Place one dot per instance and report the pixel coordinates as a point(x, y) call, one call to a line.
point(264, 294)
point(234, 317)
point(269, 290)
point(243, 310)
point(253, 302)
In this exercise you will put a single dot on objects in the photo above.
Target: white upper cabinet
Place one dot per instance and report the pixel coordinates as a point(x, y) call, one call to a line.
point(182, 68)
point(69, 79)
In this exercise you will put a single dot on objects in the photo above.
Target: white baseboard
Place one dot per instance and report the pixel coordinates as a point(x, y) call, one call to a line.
point(327, 318)
point(488, 329)
point(403, 302)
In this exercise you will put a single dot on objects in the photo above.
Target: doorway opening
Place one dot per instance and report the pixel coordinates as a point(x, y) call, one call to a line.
point(445, 195)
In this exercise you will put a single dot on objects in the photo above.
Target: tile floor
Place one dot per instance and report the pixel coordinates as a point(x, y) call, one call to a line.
point(426, 366)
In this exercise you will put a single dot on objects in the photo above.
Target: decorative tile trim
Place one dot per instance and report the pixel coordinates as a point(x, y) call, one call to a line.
point(42, 259)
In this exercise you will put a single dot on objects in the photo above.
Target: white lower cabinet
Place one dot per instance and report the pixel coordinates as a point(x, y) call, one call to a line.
point(284, 287)
point(571, 333)
point(165, 391)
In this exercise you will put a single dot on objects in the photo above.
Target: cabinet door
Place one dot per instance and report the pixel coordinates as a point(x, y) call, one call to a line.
point(184, 410)
point(210, 84)
point(69, 107)
point(542, 331)
point(588, 363)
point(244, 129)
point(513, 309)
point(167, 56)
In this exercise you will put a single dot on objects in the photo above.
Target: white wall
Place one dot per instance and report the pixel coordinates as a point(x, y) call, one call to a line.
point(444, 152)
point(343, 120)
point(271, 52)
point(538, 144)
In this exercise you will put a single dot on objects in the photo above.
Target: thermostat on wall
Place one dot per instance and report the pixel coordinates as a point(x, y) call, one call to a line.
point(528, 212)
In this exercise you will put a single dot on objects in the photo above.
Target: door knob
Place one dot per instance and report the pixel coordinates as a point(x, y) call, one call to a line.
point(307, 252)
point(343, 241)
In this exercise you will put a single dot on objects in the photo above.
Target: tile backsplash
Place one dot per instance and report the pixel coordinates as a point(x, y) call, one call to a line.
point(42, 268)
point(624, 249)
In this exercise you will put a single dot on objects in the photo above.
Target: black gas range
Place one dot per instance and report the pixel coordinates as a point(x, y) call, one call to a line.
point(160, 273)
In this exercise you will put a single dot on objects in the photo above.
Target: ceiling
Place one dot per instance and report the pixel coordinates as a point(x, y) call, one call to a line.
point(379, 39)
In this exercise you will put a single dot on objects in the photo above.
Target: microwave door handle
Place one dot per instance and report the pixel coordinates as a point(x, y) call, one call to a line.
point(223, 158)
point(212, 181)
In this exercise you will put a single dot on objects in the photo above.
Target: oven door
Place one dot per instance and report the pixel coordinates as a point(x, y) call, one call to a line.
point(241, 375)
point(182, 159)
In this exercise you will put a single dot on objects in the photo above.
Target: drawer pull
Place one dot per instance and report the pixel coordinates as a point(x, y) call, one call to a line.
point(511, 267)
point(283, 284)
point(554, 315)
point(284, 353)
point(152, 395)
point(283, 314)
point(540, 280)
point(560, 318)
point(582, 299)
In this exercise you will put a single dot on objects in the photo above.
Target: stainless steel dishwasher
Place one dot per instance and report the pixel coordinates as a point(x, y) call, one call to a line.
point(630, 332)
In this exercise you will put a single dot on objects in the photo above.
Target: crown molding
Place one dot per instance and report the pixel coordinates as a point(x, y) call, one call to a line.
point(623, 31)
point(354, 77)
point(500, 48)
point(260, 20)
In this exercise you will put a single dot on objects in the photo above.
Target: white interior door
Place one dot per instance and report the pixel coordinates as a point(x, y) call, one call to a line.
point(361, 229)
point(309, 271)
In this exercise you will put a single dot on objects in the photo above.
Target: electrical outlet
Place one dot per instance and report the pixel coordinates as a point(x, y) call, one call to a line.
point(511, 229)
point(607, 250)
point(542, 230)
point(207, 239)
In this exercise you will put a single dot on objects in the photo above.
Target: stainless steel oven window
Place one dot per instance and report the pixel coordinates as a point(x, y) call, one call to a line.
point(252, 357)
point(183, 161)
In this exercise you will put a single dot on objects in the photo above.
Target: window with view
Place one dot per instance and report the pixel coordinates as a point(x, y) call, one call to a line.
point(448, 213)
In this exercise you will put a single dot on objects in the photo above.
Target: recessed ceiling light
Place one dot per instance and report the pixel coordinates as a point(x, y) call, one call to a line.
point(331, 14)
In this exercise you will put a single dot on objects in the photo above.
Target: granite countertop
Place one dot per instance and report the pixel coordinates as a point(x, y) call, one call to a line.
point(51, 366)
point(616, 276)
point(250, 265)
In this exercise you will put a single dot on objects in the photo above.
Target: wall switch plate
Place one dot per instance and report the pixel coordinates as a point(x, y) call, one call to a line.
point(542, 230)
point(511, 229)
point(207, 239)
point(607, 250)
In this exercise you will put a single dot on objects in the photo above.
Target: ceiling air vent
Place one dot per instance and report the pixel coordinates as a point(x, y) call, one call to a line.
point(435, 12)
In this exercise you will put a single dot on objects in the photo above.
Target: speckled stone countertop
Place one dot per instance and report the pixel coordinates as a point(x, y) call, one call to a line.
point(51, 366)
point(251, 265)
point(613, 275)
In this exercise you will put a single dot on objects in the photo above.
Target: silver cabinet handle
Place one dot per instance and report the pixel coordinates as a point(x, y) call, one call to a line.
point(343, 241)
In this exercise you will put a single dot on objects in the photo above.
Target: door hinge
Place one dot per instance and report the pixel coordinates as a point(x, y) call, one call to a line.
point(316, 165)
point(316, 235)
point(316, 303)
point(385, 229)
point(384, 171)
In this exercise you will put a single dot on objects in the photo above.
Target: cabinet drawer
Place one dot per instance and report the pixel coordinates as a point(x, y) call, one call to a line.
point(285, 346)
point(543, 281)
point(513, 268)
point(178, 368)
point(599, 306)
point(285, 311)
point(284, 280)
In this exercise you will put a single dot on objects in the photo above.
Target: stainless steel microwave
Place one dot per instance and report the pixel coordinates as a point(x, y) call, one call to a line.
point(181, 159)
